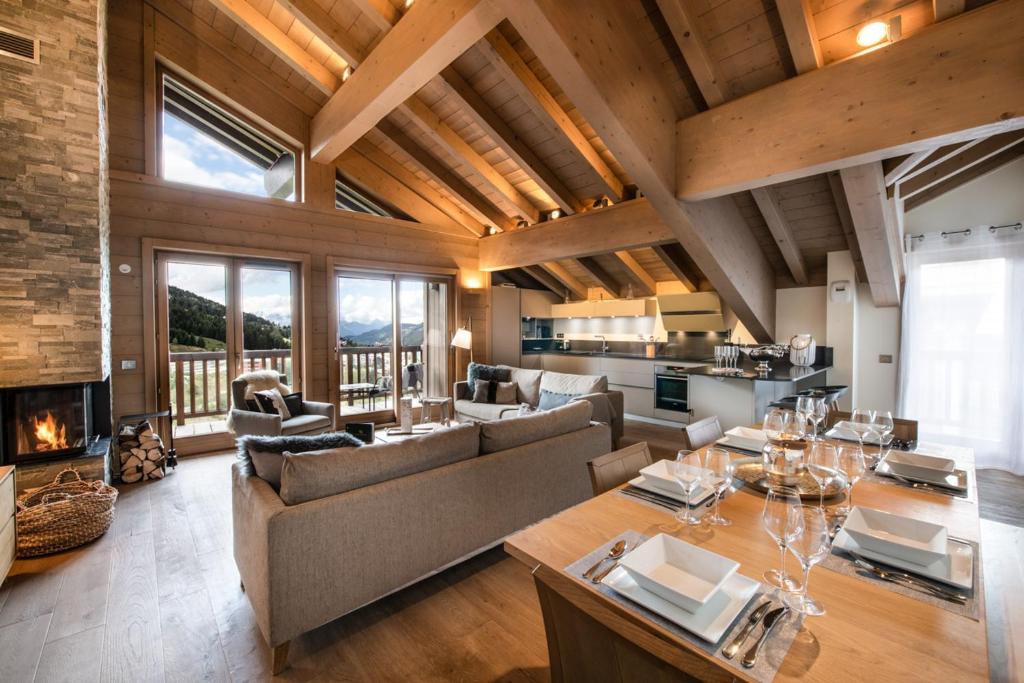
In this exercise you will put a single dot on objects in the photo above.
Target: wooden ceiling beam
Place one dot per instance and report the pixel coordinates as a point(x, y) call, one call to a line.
point(381, 13)
point(278, 42)
point(591, 55)
point(768, 202)
point(515, 147)
point(674, 258)
point(951, 183)
point(517, 73)
point(427, 39)
point(395, 169)
point(905, 166)
point(600, 275)
point(695, 51)
point(633, 224)
point(952, 81)
point(835, 184)
point(874, 221)
point(801, 34)
point(437, 130)
point(944, 9)
point(476, 204)
point(958, 163)
point(542, 276)
point(323, 26)
point(568, 280)
point(641, 278)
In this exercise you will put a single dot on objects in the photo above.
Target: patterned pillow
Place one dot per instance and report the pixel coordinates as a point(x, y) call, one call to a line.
point(549, 400)
point(271, 401)
point(491, 373)
point(502, 393)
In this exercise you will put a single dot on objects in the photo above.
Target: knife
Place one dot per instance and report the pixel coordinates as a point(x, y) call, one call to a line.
point(753, 620)
point(770, 621)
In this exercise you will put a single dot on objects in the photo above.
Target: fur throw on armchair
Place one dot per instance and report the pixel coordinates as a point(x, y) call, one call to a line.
point(261, 380)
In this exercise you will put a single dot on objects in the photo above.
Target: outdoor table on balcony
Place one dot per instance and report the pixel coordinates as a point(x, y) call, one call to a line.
point(356, 391)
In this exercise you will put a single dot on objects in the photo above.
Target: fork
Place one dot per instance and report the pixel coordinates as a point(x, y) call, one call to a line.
point(909, 581)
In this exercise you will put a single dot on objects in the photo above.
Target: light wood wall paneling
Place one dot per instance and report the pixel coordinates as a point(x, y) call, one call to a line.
point(944, 9)
point(956, 80)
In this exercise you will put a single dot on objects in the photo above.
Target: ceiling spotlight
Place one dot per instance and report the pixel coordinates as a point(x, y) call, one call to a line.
point(872, 34)
point(491, 230)
point(601, 202)
point(346, 74)
point(554, 214)
point(408, 3)
point(522, 223)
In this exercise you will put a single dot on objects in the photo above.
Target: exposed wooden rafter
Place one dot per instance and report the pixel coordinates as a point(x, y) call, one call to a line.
point(544, 277)
point(695, 51)
point(675, 259)
point(517, 73)
point(636, 124)
point(904, 166)
point(952, 182)
point(874, 220)
point(801, 34)
point(381, 13)
point(955, 80)
point(768, 202)
point(427, 39)
point(323, 26)
point(568, 280)
point(846, 221)
point(958, 163)
point(641, 278)
point(600, 275)
point(944, 9)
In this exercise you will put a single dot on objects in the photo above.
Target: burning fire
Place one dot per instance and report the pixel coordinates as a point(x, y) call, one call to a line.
point(50, 435)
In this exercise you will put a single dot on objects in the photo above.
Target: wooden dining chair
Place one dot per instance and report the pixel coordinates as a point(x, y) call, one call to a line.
point(701, 433)
point(618, 467)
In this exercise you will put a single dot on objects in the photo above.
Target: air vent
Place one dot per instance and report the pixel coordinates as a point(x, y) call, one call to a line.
point(18, 45)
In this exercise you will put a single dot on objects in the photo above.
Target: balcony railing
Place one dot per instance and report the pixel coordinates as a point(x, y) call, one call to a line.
point(369, 365)
point(199, 380)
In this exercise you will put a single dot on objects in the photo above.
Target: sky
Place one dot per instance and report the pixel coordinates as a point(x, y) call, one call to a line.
point(265, 292)
point(363, 300)
point(193, 158)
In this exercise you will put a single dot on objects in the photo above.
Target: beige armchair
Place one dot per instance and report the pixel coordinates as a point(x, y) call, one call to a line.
point(316, 418)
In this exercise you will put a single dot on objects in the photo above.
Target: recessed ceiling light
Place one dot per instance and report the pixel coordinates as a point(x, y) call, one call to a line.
point(872, 34)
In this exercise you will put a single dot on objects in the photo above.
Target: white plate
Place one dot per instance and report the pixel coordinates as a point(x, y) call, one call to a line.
point(698, 497)
point(846, 434)
point(955, 569)
point(957, 481)
point(680, 572)
point(744, 438)
point(919, 465)
point(710, 622)
point(661, 474)
point(896, 536)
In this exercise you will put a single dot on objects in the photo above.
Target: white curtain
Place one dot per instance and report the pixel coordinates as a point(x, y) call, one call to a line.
point(962, 357)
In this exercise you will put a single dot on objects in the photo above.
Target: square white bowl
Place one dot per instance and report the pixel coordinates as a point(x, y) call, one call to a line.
point(919, 465)
point(897, 536)
point(746, 438)
point(677, 571)
point(661, 474)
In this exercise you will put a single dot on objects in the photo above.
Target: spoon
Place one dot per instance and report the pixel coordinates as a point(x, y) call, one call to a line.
point(614, 553)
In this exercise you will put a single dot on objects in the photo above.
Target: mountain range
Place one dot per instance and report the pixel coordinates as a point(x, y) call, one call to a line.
point(198, 324)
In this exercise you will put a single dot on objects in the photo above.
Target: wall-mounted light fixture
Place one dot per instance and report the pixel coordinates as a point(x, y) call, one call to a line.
point(875, 32)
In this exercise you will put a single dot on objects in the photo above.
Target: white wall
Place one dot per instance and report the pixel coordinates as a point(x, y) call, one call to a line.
point(841, 328)
point(878, 333)
point(799, 310)
point(995, 198)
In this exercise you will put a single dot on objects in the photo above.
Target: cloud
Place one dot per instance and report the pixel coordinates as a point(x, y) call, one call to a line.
point(193, 158)
point(202, 279)
point(274, 307)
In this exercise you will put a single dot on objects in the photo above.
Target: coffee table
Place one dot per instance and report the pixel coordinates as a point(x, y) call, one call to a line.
point(381, 433)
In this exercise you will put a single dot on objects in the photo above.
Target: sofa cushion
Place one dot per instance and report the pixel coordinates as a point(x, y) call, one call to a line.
point(575, 385)
point(300, 424)
point(482, 411)
point(502, 393)
point(308, 476)
point(477, 371)
point(272, 401)
point(505, 434)
point(266, 453)
point(528, 381)
point(549, 400)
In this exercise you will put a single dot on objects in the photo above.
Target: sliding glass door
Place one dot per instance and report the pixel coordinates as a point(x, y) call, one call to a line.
point(219, 317)
point(392, 341)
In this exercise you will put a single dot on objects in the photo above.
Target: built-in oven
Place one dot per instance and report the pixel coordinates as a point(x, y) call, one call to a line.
point(672, 391)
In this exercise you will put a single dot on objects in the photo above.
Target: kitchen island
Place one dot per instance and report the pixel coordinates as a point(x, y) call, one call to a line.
point(736, 400)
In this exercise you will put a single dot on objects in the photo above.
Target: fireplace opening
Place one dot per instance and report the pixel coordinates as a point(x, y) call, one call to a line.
point(45, 423)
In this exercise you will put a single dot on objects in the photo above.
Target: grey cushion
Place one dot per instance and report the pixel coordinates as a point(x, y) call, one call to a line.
point(503, 393)
point(477, 371)
point(549, 400)
point(300, 424)
point(309, 476)
point(267, 452)
point(528, 381)
point(562, 383)
point(505, 434)
point(465, 409)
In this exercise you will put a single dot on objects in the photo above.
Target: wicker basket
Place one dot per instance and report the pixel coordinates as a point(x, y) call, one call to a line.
point(64, 514)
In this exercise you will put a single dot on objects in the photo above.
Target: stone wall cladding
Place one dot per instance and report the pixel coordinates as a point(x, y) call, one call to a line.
point(52, 223)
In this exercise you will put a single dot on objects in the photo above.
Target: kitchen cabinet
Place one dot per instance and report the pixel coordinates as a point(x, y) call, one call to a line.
point(536, 304)
point(530, 361)
point(576, 309)
point(506, 326)
point(635, 400)
point(607, 308)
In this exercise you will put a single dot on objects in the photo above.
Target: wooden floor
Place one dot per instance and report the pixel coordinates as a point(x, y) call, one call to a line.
point(157, 599)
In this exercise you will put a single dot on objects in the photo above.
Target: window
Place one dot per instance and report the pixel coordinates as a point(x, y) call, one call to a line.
point(348, 198)
point(202, 143)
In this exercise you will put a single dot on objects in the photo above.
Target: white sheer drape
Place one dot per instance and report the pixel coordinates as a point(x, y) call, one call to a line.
point(962, 357)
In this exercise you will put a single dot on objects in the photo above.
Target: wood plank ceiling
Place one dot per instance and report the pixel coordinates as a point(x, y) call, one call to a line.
point(492, 143)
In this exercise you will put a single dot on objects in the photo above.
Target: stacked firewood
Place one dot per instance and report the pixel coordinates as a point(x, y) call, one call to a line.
point(141, 452)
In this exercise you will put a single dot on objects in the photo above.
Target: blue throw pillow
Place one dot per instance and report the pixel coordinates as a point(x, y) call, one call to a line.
point(550, 400)
point(488, 373)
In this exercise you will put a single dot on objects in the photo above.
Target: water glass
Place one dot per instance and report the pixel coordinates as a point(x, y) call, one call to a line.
point(861, 420)
point(819, 414)
point(718, 463)
point(805, 408)
point(783, 521)
point(823, 465)
point(810, 547)
point(851, 464)
point(689, 472)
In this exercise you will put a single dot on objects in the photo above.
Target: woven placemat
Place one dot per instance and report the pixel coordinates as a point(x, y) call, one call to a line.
point(774, 651)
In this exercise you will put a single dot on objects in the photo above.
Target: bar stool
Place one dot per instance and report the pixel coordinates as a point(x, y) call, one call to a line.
point(443, 403)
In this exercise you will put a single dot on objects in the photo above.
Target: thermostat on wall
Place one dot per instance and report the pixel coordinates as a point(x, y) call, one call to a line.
point(840, 292)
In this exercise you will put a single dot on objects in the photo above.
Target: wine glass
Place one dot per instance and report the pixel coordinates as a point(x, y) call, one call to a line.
point(819, 414)
point(851, 463)
point(861, 422)
point(719, 464)
point(810, 548)
point(718, 357)
point(805, 408)
point(782, 520)
point(774, 424)
point(883, 424)
point(822, 465)
point(687, 470)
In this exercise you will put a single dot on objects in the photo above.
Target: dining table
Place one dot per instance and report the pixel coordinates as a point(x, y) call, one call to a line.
point(868, 633)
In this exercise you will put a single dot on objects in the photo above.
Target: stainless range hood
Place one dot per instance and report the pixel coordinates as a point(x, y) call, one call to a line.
point(697, 312)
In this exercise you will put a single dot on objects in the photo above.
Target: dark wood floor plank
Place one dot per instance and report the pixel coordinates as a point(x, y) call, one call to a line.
point(20, 646)
point(72, 659)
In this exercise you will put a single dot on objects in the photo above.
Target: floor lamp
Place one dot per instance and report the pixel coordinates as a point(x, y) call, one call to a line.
point(463, 339)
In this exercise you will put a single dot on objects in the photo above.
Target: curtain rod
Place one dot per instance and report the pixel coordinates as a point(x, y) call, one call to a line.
point(968, 231)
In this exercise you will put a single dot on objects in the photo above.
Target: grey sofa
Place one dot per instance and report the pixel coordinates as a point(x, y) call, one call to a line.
point(316, 417)
point(608, 405)
point(352, 525)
